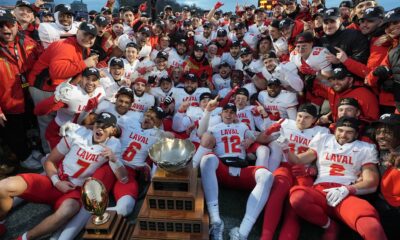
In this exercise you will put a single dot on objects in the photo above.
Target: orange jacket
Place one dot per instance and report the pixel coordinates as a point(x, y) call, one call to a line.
point(390, 186)
point(12, 68)
point(61, 60)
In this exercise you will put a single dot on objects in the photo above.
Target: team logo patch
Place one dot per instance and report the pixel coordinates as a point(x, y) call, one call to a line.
point(337, 70)
point(369, 10)
point(389, 14)
point(90, 26)
point(384, 116)
point(329, 11)
point(2, 12)
point(106, 115)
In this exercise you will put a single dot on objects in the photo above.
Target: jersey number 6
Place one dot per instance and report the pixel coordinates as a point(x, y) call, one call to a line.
point(130, 152)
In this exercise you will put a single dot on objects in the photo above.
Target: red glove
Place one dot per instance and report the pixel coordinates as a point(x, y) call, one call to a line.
point(307, 70)
point(218, 5)
point(143, 7)
point(273, 128)
point(142, 70)
point(255, 112)
point(92, 103)
point(299, 170)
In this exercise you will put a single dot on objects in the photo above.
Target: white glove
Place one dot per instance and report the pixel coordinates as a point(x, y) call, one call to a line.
point(283, 143)
point(67, 129)
point(335, 195)
point(63, 92)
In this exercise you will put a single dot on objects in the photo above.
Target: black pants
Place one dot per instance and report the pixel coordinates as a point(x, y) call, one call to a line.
point(389, 218)
point(14, 136)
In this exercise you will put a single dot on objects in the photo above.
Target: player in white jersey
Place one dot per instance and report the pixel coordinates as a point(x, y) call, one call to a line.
point(191, 92)
point(130, 60)
point(178, 55)
point(69, 100)
point(142, 100)
point(114, 78)
point(159, 70)
point(277, 102)
point(346, 168)
point(165, 88)
point(222, 79)
point(136, 140)
point(226, 164)
point(286, 72)
point(205, 36)
point(76, 157)
point(299, 132)
point(247, 64)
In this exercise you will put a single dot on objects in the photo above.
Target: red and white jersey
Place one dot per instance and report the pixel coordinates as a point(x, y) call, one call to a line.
point(227, 57)
point(130, 68)
point(251, 88)
point(280, 44)
point(77, 104)
point(316, 60)
point(278, 106)
point(299, 139)
point(154, 52)
point(257, 29)
point(246, 116)
point(220, 83)
point(287, 73)
point(341, 163)
point(136, 142)
point(175, 60)
point(199, 37)
point(52, 32)
point(180, 96)
point(159, 94)
point(82, 156)
point(107, 106)
point(143, 103)
point(111, 87)
point(228, 139)
point(250, 40)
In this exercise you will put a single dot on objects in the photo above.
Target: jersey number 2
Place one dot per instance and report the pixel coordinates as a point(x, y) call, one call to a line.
point(232, 144)
point(130, 152)
point(336, 170)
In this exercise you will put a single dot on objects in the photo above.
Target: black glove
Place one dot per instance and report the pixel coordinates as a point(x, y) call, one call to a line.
point(387, 85)
point(249, 72)
point(168, 100)
point(151, 79)
point(309, 82)
point(382, 72)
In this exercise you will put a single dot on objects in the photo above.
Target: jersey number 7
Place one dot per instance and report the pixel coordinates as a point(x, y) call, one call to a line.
point(84, 165)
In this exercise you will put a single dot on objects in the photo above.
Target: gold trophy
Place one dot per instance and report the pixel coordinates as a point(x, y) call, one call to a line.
point(103, 224)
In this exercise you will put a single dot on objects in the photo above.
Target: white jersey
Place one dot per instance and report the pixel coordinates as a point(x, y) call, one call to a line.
point(136, 142)
point(278, 106)
point(257, 29)
point(250, 40)
point(130, 68)
point(287, 73)
point(52, 32)
point(246, 116)
point(228, 58)
point(316, 60)
point(82, 156)
point(199, 37)
point(124, 39)
point(299, 139)
point(341, 163)
point(107, 106)
point(180, 96)
point(220, 83)
point(159, 94)
point(111, 86)
point(228, 139)
point(280, 44)
point(176, 60)
point(254, 66)
point(77, 103)
point(143, 103)
point(154, 52)
point(251, 88)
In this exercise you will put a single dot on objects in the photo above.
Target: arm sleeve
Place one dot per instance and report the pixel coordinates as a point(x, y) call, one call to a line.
point(181, 122)
point(203, 123)
point(63, 65)
point(47, 106)
point(64, 145)
point(290, 74)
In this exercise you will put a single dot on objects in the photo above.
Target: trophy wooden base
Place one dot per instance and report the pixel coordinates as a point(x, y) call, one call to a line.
point(115, 228)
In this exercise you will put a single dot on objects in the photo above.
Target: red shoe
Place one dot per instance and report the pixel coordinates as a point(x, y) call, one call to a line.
point(3, 229)
point(331, 232)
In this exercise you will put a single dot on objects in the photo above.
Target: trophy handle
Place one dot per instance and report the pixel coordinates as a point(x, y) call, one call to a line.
point(98, 220)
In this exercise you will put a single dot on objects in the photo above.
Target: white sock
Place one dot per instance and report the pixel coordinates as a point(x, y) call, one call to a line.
point(213, 210)
point(246, 225)
point(75, 225)
point(24, 236)
point(124, 205)
point(201, 151)
point(275, 156)
point(262, 154)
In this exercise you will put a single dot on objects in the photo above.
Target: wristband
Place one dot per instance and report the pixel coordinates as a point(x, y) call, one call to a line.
point(352, 189)
point(115, 165)
point(55, 179)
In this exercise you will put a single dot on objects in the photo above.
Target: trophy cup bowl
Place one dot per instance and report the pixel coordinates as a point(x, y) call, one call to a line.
point(172, 155)
point(95, 200)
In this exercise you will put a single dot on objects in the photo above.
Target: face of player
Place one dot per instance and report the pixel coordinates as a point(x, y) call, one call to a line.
point(345, 135)
point(117, 72)
point(393, 29)
point(222, 40)
point(236, 78)
point(85, 39)
point(165, 86)
point(161, 63)
point(270, 64)
point(8, 31)
point(274, 32)
point(241, 101)
point(234, 51)
point(385, 138)
point(304, 120)
point(340, 85)
point(131, 54)
point(330, 26)
point(274, 90)
point(118, 29)
point(139, 88)
point(128, 17)
point(206, 32)
point(246, 58)
point(65, 19)
point(240, 32)
point(198, 54)
point(287, 31)
point(260, 83)
point(48, 19)
point(157, 30)
point(203, 103)
point(348, 111)
point(149, 120)
point(212, 50)
point(143, 39)
point(100, 135)
point(123, 103)
point(23, 14)
point(190, 86)
point(100, 30)
point(304, 49)
point(360, 8)
point(224, 72)
point(368, 26)
point(278, 10)
point(181, 49)
point(344, 12)
point(228, 116)
point(89, 83)
point(290, 7)
point(259, 17)
point(265, 46)
point(164, 43)
point(318, 22)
